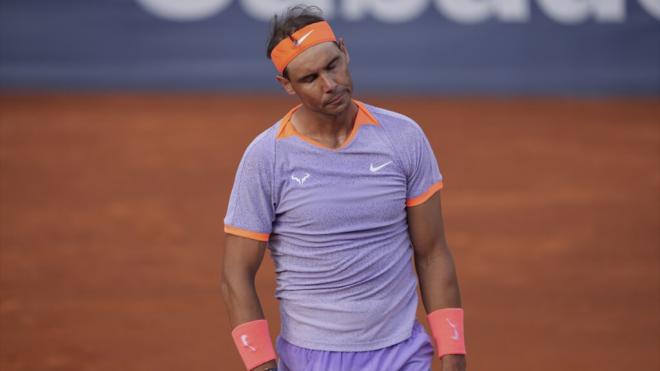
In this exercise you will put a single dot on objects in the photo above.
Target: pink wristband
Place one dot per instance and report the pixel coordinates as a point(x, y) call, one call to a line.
point(447, 330)
point(252, 339)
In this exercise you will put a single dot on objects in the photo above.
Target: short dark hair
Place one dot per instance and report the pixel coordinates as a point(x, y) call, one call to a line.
point(289, 22)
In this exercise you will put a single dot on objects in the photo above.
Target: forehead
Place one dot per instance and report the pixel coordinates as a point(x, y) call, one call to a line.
point(313, 59)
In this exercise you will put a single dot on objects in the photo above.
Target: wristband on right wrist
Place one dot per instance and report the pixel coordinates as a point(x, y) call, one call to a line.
point(252, 339)
point(447, 329)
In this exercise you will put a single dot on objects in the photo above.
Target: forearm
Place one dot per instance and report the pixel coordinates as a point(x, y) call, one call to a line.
point(437, 279)
point(241, 261)
point(439, 288)
point(243, 305)
point(241, 300)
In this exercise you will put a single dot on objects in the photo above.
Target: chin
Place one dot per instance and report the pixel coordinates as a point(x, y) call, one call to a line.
point(335, 110)
point(345, 104)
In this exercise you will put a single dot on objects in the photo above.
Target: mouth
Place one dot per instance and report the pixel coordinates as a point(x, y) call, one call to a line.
point(336, 99)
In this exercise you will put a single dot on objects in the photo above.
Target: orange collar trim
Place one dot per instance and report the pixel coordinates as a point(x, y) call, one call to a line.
point(363, 117)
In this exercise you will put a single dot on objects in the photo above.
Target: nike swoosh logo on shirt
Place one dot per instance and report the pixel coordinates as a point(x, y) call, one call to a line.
point(300, 40)
point(375, 169)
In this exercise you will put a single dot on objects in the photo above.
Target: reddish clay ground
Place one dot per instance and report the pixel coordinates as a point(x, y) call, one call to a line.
point(111, 229)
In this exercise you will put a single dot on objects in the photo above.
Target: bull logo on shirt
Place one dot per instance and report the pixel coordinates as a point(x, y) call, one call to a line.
point(300, 180)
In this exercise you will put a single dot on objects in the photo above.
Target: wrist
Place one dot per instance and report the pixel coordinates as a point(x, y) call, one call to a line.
point(447, 330)
point(270, 366)
point(253, 342)
point(453, 357)
point(453, 362)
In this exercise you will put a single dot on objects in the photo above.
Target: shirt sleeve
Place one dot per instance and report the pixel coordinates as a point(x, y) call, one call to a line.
point(250, 212)
point(424, 177)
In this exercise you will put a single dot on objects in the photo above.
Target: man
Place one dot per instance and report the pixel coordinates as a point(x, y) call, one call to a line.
point(344, 195)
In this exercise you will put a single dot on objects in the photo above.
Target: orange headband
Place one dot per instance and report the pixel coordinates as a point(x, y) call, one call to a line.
point(306, 37)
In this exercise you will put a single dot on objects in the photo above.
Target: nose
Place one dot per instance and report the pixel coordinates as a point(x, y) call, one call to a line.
point(329, 83)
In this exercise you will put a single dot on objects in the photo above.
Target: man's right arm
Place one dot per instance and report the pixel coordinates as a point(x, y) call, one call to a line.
point(241, 261)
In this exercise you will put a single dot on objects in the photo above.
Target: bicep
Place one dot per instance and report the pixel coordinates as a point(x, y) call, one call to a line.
point(425, 226)
point(242, 256)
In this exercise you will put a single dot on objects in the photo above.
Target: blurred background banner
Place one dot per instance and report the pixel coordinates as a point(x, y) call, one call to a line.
point(600, 47)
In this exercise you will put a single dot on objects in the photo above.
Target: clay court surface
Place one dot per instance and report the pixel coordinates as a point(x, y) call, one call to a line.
point(111, 235)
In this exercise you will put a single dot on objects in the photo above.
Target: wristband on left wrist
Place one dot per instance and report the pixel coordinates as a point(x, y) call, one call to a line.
point(447, 330)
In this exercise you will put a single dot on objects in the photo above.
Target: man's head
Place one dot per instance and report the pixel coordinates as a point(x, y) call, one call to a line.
point(319, 73)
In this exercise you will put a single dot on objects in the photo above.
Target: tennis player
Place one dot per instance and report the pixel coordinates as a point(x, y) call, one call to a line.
point(345, 195)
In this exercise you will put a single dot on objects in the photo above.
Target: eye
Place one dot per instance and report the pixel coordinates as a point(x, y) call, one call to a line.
point(309, 78)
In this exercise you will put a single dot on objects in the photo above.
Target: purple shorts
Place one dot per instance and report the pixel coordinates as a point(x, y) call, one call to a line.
point(413, 354)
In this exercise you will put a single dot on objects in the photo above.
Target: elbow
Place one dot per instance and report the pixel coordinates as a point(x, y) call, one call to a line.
point(225, 287)
point(431, 253)
point(234, 280)
point(436, 259)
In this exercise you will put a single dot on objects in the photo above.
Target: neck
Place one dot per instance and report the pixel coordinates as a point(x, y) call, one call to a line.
point(331, 130)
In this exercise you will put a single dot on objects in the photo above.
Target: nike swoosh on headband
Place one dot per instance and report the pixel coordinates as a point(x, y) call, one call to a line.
point(302, 39)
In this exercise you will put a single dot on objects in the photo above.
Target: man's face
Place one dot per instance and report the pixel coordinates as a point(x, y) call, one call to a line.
point(320, 78)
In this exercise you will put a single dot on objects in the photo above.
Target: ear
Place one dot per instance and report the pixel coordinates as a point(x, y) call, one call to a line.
point(342, 47)
point(286, 84)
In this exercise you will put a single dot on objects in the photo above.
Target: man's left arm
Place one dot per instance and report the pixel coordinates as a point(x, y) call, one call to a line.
point(435, 265)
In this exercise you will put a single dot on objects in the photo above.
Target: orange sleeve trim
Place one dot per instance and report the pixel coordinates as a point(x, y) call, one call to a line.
point(247, 234)
point(424, 196)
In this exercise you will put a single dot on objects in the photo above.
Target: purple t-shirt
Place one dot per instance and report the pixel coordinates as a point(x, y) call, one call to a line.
point(335, 222)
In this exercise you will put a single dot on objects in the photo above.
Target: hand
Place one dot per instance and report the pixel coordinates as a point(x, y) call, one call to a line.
point(270, 364)
point(453, 362)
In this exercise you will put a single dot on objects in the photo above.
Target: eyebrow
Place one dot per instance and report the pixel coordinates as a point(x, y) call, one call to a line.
point(333, 60)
